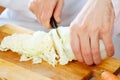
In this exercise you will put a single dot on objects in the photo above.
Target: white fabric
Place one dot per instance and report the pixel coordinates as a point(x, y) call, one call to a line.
point(18, 11)
point(116, 5)
point(116, 41)
point(19, 6)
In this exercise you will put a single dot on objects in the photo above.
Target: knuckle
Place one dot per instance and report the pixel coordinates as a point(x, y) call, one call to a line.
point(86, 53)
point(83, 28)
point(94, 32)
point(96, 58)
point(95, 51)
point(78, 27)
point(110, 47)
point(44, 20)
point(104, 31)
point(88, 58)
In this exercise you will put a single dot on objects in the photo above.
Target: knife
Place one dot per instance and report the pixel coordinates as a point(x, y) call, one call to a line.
point(53, 22)
point(54, 25)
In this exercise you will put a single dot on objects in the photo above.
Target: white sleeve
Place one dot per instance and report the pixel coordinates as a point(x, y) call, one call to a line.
point(19, 6)
point(15, 4)
point(116, 27)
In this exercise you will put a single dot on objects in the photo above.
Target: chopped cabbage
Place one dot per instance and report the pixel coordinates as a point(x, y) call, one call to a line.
point(38, 46)
point(53, 47)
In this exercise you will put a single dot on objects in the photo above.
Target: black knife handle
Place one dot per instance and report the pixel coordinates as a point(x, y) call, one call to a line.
point(53, 23)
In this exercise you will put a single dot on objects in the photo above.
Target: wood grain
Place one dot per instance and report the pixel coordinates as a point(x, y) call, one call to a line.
point(10, 71)
point(72, 71)
point(1, 9)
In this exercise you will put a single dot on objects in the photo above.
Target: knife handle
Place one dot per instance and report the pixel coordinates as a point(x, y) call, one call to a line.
point(53, 23)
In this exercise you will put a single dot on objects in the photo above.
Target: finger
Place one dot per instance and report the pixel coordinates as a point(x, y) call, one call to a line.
point(86, 50)
point(95, 49)
point(58, 10)
point(107, 39)
point(47, 12)
point(39, 13)
point(75, 44)
point(32, 6)
point(36, 7)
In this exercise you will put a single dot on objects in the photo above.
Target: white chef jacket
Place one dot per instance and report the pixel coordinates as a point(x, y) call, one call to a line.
point(18, 12)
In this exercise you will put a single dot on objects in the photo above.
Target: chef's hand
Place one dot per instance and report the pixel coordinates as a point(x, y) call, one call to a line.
point(93, 23)
point(44, 9)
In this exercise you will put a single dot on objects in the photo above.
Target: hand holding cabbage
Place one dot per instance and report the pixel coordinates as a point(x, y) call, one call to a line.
point(93, 23)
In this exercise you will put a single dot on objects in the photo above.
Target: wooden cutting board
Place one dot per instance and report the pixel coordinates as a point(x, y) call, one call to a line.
point(12, 69)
